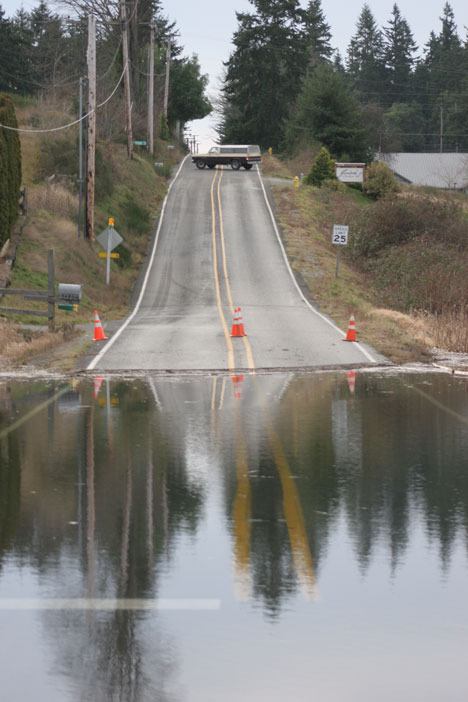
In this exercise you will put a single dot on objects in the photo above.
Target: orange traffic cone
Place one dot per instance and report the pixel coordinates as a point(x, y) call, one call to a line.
point(351, 375)
point(237, 324)
point(99, 334)
point(98, 381)
point(237, 381)
point(351, 334)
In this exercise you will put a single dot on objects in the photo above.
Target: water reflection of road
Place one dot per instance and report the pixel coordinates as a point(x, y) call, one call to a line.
point(242, 489)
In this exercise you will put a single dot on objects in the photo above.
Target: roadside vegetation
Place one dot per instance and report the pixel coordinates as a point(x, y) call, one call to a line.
point(403, 274)
point(130, 191)
point(42, 56)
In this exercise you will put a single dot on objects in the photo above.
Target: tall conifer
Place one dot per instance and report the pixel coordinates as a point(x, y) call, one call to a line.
point(399, 53)
point(317, 33)
point(366, 57)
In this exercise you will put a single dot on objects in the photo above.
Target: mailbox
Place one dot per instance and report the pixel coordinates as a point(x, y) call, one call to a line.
point(69, 293)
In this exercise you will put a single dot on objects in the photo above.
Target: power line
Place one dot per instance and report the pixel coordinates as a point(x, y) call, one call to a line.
point(70, 124)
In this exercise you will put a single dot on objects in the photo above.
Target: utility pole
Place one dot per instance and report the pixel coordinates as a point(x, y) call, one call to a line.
point(166, 87)
point(151, 91)
point(127, 89)
point(91, 160)
point(80, 163)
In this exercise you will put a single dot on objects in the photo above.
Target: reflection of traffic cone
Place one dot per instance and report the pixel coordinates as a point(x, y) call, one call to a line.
point(351, 375)
point(237, 380)
point(237, 324)
point(351, 334)
point(98, 330)
point(98, 381)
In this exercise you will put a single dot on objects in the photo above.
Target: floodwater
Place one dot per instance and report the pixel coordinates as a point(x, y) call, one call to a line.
point(266, 538)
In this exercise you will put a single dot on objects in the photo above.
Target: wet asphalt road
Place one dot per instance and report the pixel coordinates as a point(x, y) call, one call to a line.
point(217, 249)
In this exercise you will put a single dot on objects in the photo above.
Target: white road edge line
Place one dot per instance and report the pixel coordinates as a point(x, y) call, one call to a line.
point(112, 341)
point(288, 265)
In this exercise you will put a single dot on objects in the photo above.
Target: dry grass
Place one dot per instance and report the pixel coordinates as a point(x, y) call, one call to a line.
point(305, 216)
point(17, 345)
point(272, 167)
point(55, 199)
point(450, 330)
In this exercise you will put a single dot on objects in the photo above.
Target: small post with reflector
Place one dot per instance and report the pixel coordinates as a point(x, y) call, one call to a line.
point(110, 223)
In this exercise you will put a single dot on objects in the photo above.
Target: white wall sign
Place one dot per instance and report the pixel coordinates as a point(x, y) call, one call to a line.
point(350, 174)
point(340, 234)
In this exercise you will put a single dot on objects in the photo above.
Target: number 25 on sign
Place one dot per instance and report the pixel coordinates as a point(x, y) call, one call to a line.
point(339, 238)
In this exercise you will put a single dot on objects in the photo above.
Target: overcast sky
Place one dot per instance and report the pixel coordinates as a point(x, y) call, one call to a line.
point(206, 26)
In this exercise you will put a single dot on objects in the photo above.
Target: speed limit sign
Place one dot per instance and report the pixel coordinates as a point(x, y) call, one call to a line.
point(340, 234)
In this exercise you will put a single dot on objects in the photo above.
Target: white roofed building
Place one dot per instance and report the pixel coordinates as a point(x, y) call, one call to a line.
point(437, 170)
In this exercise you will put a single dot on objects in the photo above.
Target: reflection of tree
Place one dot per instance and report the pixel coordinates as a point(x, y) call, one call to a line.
point(10, 487)
point(112, 470)
point(385, 457)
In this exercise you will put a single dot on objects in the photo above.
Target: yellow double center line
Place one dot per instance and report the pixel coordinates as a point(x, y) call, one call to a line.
point(216, 201)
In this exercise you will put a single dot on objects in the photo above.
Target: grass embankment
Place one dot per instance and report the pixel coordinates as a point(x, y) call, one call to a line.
point(129, 191)
point(408, 292)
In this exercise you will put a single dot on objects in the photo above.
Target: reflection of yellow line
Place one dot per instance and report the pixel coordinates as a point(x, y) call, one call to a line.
point(229, 344)
point(223, 390)
point(213, 393)
point(33, 412)
point(294, 518)
point(241, 518)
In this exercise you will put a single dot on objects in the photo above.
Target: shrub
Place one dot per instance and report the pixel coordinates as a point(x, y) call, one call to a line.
point(137, 217)
point(323, 169)
point(380, 181)
point(104, 175)
point(394, 221)
point(164, 171)
point(59, 157)
point(164, 133)
point(421, 275)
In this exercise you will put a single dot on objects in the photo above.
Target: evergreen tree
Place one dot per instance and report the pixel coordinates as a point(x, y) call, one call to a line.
point(444, 55)
point(442, 77)
point(264, 72)
point(399, 53)
point(317, 35)
point(404, 128)
point(49, 46)
point(366, 57)
point(328, 113)
point(323, 169)
point(11, 79)
point(188, 100)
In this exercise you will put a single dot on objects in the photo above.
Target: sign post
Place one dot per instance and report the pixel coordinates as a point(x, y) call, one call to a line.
point(109, 239)
point(339, 238)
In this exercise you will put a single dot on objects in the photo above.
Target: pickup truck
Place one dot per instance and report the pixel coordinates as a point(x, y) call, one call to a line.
point(229, 155)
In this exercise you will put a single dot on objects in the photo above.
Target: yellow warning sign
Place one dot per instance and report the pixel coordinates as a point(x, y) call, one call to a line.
point(103, 254)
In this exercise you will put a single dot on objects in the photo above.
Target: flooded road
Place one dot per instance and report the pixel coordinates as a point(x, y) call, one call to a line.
point(283, 537)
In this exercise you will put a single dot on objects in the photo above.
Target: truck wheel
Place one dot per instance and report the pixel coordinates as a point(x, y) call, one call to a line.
point(200, 164)
point(235, 164)
point(247, 166)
